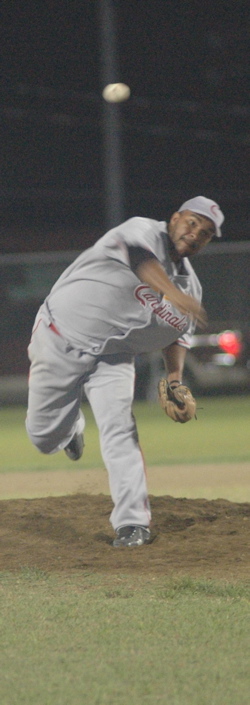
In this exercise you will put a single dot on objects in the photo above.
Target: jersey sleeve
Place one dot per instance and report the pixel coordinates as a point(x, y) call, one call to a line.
point(134, 233)
point(185, 341)
point(138, 255)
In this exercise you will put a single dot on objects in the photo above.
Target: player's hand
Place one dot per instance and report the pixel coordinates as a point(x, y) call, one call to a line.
point(188, 306)
point(152, 273)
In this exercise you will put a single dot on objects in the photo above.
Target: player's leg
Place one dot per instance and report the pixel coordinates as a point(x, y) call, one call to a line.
point(110, 390)
point(53, 419)
point(55, 383)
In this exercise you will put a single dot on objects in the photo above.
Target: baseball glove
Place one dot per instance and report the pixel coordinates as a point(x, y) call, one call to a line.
point(177, 401)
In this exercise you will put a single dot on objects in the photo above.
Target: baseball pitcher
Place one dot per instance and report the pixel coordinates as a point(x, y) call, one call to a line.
point(134, 291)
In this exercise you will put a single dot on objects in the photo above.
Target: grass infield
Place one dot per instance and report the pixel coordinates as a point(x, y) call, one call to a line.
point(221, 434)
point(99, 640)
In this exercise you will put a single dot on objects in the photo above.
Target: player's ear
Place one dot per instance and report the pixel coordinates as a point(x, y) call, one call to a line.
point(174, 217)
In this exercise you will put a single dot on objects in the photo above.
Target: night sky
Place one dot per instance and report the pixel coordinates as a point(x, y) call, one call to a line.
point(185, 130)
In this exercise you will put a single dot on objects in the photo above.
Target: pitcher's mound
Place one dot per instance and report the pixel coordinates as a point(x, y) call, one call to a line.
point(195, 537)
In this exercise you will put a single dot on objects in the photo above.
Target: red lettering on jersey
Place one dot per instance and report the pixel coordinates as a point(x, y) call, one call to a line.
point(163, 310)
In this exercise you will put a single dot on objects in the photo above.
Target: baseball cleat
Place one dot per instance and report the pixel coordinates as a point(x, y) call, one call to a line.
point(131, 536)
point(74, 449)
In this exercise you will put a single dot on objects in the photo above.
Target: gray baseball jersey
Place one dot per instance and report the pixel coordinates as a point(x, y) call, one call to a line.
point(101, 307)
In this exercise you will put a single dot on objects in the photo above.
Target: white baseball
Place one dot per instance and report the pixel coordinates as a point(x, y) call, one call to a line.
point(116, 92)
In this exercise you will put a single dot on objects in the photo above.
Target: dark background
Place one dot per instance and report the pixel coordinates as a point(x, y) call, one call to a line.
point(185, 130)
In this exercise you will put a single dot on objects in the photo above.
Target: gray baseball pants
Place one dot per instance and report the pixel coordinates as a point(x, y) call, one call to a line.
point(57, 374)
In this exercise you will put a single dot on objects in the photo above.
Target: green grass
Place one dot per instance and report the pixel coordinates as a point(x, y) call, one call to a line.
point(100, 640)
point(221, 434)
point(17, 452)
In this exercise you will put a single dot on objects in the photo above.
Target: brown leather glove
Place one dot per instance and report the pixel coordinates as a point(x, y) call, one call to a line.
point(177, 401)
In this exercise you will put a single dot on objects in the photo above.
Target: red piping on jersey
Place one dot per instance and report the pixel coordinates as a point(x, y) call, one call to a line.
point(39, 321)
point(54, 328)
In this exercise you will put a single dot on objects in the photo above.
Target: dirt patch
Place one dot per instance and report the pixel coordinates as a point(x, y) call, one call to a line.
point(197, 537)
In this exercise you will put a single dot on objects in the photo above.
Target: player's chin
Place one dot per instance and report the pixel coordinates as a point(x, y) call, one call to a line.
point(190, 249)
point(186, 250)
point(191, 252)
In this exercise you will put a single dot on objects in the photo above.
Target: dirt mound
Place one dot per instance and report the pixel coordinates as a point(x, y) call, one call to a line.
point(189, 537)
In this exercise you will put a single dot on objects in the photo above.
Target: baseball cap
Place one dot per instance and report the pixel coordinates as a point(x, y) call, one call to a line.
point(204, 206)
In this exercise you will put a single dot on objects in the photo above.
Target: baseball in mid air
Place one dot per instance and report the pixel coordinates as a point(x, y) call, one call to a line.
point(116, 92)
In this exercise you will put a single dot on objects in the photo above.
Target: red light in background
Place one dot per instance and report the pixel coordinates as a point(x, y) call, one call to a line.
point(230, 342)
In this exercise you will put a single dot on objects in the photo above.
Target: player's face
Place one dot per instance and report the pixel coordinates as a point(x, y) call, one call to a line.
point(190, 232)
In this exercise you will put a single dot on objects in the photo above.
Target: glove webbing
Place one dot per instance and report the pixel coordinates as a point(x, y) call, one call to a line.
point(171, 396)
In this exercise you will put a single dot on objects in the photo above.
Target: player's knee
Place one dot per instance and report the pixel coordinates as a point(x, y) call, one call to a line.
point(43, 442)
